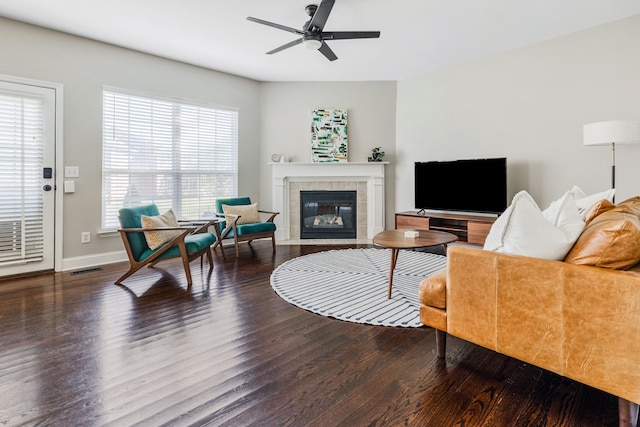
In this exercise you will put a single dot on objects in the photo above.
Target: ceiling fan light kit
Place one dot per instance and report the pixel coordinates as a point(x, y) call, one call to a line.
point(312, 36)
point(312, 44)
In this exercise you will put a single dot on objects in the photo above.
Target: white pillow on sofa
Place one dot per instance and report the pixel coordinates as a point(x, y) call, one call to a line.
point(523, 229)
point(584, 202)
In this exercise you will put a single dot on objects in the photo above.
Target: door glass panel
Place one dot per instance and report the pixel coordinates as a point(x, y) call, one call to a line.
point(24, 135)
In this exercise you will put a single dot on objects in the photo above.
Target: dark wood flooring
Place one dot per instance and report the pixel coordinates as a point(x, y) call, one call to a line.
point(77, 350)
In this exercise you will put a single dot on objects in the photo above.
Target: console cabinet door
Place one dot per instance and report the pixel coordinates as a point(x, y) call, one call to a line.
point(412, 222)
point(477, 232)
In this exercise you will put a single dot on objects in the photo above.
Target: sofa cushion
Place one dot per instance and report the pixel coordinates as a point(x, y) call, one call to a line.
point(598, 208)
point(523, 229)
point(611, 239)
point(632, 204)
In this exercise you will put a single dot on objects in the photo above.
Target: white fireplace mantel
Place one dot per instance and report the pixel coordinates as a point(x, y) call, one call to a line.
point(370, 172)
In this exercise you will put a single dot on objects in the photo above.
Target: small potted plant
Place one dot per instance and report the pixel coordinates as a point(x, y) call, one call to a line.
point(376, 155)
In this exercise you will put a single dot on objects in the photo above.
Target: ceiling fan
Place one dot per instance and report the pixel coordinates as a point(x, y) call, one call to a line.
point(312, 35)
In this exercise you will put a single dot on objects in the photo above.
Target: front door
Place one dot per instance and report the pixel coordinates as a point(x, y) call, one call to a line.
point(27, 178)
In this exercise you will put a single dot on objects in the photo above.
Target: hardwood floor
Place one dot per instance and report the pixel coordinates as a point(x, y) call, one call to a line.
point(75, 349)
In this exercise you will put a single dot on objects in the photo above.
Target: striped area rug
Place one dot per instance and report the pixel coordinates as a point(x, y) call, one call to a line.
point(352, 284)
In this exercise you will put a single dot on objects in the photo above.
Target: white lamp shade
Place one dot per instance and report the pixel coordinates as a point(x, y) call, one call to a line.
point(613, 131)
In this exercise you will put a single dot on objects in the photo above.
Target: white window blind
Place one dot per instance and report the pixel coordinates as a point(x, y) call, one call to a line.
point(21, 159)
point(174, 154)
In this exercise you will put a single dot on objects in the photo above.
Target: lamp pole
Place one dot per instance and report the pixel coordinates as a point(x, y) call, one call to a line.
point(613, 170)
point(612, 132)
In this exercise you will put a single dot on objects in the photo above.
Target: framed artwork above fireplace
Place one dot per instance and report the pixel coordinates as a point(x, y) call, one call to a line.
point(329, 135)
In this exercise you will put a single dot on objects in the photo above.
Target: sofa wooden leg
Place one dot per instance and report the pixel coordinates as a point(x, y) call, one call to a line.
point(627, 413)
point(441, 343)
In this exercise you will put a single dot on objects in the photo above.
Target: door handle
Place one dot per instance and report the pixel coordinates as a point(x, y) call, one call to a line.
point(47, 187)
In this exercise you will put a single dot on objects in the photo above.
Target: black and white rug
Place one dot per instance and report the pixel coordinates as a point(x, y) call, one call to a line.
point(352, 284)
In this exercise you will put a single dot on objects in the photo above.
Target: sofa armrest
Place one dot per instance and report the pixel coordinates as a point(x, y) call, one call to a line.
point(433, 306)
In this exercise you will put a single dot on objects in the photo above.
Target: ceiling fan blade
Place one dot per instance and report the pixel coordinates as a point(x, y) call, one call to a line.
point(326, 51)
point(321, 15)
point(285, 46)
point(278, 26)
point(345, 35)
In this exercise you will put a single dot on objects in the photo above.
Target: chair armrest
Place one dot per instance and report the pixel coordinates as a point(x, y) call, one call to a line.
point(229, 225)
point(142, 230)
point(179, 240)
point(273, 215)
point(225, 218)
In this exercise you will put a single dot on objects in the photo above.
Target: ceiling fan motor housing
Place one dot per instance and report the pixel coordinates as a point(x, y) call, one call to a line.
point(311, 9)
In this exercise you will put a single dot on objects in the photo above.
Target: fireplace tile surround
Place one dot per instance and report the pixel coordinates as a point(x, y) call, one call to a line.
point(367, 179)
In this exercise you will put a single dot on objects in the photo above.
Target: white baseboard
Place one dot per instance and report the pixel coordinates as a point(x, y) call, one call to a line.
point(89, 261)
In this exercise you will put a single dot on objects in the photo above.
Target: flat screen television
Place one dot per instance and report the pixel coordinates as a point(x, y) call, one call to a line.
point(474, 185)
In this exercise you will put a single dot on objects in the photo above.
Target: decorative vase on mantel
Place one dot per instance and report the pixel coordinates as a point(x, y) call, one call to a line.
point(376, 155)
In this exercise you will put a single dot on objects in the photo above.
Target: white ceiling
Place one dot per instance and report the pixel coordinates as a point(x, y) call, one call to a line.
point(416, 35)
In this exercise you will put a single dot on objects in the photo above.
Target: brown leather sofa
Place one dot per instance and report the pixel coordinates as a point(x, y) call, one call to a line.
point(581, 315)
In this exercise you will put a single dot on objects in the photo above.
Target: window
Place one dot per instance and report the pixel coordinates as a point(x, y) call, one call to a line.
point(177, 155)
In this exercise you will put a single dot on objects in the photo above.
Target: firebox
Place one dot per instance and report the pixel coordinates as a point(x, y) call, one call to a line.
point(328, 214)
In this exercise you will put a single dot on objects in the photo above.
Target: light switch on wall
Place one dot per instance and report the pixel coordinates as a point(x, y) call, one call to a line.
point(71, 171)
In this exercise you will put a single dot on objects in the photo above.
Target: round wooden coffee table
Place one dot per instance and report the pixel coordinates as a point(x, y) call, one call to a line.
point(396, 240)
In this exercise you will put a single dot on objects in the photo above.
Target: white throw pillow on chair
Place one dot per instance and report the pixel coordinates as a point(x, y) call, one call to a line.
point(157, 238)
point(248, 213)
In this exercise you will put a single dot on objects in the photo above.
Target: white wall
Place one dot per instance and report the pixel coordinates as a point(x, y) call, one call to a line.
point(286, 125)
point(83, 67)
point(529, 105)
point(274, 118)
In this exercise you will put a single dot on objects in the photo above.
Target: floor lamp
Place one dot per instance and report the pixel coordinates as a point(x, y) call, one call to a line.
point(612, 132)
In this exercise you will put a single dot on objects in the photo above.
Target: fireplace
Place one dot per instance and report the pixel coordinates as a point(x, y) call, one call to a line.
point(291, 178)
point(328, 214)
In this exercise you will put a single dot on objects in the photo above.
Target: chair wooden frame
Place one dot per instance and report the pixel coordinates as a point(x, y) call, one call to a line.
point(232, 226)
point(153, 259)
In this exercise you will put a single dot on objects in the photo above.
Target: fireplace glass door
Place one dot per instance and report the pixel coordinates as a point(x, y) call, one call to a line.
point(328, 214)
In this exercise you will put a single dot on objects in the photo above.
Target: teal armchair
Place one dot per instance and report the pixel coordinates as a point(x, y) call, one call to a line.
point(242, 221)
point(190, 243)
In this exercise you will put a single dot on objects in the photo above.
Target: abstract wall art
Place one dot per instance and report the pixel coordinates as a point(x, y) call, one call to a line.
point(329, 135)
